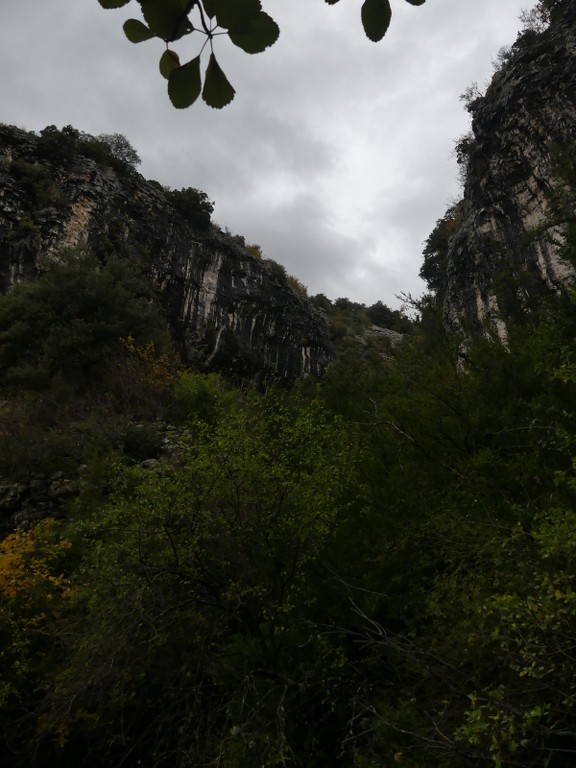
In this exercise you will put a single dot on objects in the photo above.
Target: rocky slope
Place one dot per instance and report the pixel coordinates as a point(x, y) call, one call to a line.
point(228, 309)
point(495, 265)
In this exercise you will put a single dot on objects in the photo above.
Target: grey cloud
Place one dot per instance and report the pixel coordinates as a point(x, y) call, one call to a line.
point(335, 154)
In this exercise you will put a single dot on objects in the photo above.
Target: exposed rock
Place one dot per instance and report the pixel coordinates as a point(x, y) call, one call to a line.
point(25, 502)
point(383, 340)
point(493, 262)
point(375, 331)
point(228, 310)
point(149, 463)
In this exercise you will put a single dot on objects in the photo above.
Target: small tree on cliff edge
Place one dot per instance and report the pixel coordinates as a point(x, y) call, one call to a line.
point(120, 148)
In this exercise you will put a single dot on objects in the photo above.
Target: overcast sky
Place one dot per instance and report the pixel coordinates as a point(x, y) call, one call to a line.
point(336, 155)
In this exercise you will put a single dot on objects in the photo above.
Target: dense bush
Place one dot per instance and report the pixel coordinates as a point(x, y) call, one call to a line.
point(36, 182)
point(119, 148)
point(192, 205)
point(387, 578)
point(68, 323)
point(60, 146)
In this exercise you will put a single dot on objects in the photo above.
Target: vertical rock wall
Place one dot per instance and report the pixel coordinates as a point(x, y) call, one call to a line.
point(229, 311)
point(495, 260)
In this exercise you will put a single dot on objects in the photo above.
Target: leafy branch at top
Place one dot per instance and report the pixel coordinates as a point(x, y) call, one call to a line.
point(244, 22)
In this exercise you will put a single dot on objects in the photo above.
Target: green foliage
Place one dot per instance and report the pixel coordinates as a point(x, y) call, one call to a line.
point(322, 302)
point(141, 381)
point(184, 82)
point(38, 435)
point(137, 32)
point(33, 594)
point(89, 147)
point(297, 285)
point(246, 25)
point(435, 253)
point(36, 182)
point(385, 579)
point(347, 319)
point(73, 377)
point(537, 18)
point(559, 226)
point(376, 569)
point(472, 97)
point(221, 655)
point(198, 397)
point(503, 57)
point(71, 319)
point(120, 149)
point(254, 250)
point(193, 205)
point(350, 320)
point(478, 615)
point(25, 236)
point(376, 17)
point(381, 315)
point(278, 270)
point(217, 91)
point(58, 146)
point(62, 146)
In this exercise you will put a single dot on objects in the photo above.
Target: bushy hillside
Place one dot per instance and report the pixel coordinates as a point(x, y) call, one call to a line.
point(373, 569)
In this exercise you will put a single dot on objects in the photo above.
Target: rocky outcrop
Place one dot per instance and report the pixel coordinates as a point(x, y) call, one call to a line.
point(228, 310)
point(496, 262)
point(31, 499)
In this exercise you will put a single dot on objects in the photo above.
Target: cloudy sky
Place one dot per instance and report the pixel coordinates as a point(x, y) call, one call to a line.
point(336, 155)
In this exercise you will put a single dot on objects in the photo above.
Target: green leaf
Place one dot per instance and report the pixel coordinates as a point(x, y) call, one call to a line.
point(137, 32)
point(167, 19)
point(260, 33)
point(113, 3)
point(416, 2)
point(169, 61)
point(236, 13)
point(217, 92)
point(376, 15)
point(184, 84)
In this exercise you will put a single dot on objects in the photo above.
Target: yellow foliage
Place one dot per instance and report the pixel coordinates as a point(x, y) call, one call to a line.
point(158, 370)
point(145, 378)
point(254, 250)
point(28, 578)
point(298, 286)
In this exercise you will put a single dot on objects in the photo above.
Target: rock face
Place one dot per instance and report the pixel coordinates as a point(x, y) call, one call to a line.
point(493, 261)
point(228, 310)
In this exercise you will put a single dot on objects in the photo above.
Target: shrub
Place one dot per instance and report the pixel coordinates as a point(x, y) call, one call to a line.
point(119, 148)
point(58, 146)
point(254, 250)
point(35, 181)
point(192, 205)
point(68, 323)
point(296, 285)
point(277, 270)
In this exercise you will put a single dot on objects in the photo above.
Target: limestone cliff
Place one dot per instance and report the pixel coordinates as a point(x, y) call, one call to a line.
point(228, 309)
point(493, 259)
